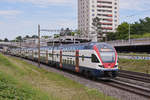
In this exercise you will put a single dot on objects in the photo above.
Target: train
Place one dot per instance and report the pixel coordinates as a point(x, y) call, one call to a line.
point(92, 59)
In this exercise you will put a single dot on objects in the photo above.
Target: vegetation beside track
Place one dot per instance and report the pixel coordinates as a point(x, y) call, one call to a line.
point(134, 54)
point(135, 65)
point(22, 81)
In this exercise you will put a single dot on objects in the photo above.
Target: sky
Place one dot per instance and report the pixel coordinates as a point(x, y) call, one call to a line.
point(21, 17)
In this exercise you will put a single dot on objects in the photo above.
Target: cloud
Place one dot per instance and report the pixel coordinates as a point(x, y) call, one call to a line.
point(44, 2)
point(9, 12)
point(138, 5)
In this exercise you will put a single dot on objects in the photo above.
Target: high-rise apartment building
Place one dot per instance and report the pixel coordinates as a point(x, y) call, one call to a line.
point(106, 10)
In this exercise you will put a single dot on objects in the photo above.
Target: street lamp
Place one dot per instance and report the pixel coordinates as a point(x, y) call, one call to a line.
point(129, 29)
point(129, 33)
point(39, 45)
point(44, 30)
point(39, 30)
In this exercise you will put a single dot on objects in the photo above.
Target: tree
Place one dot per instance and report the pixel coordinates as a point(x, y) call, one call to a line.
point(27, 36)
point(138, 29)
point(111, 36)
point(77, 32)
point(34, 36)
point(19, 38)
point(56, 35)
point(122, 31)
point(6, 40)
point(97, 26)
point(73, 33)
point(46, 37)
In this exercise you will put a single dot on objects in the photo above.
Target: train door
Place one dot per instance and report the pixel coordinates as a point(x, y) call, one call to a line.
point(77, 61)
point(32, 55)
point(54, 57)
point(46, 56)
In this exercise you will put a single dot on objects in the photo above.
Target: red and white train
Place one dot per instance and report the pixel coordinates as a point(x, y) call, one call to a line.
point(90, 59)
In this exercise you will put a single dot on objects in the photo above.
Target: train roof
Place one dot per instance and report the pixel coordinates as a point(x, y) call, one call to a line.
point(85, 46)
point(79, 46)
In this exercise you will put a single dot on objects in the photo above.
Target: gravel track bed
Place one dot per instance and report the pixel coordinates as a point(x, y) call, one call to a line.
point(144, 78)
point(143, 84)
point(100, 86)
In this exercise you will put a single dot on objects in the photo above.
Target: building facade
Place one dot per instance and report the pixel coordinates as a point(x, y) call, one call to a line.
point(106, 10)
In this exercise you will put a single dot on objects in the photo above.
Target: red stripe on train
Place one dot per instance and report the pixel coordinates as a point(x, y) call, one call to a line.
point(60, 65)
point(106, 65)
point(97, 52)
point(77, 61)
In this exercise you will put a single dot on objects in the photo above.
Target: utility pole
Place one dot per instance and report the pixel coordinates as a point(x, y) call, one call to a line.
point(38, 45)
point(130, 28)
point(20, 45)
point(129, 33)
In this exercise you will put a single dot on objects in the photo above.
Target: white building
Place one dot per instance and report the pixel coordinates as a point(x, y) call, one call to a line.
point(106, 10)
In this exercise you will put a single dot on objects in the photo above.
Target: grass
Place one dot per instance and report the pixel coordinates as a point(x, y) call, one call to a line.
point(134, 54)
point(22, 81)
point(11, 89)
point(135, 65)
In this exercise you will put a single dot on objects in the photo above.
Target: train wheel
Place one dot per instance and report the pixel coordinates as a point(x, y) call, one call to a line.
point(87, 74)
point(94, 78)
point(82, 73)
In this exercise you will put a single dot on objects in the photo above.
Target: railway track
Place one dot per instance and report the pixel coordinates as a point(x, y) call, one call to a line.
point(133, 82)
point(135, 76)
point(133, 88)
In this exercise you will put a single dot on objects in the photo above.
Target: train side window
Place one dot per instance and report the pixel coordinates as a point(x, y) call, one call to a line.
point(94, 59)
point(50, 54)
point(82, 57)
point(73, 62)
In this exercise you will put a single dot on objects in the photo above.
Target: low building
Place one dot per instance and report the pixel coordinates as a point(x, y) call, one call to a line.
point(67, 40)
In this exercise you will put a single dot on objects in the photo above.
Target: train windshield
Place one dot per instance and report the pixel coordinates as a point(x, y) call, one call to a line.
point(107, 53)
point(108, 57)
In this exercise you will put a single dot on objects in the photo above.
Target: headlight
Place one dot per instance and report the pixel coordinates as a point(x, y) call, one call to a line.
point(101, 66)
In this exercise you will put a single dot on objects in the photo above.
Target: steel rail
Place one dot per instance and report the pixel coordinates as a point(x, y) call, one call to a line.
point(139, 90)
point(135, 76)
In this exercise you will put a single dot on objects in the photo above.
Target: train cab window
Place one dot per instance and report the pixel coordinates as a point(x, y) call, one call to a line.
point(94, 59)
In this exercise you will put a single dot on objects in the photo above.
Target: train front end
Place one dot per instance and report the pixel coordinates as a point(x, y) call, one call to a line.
point(107, 57)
